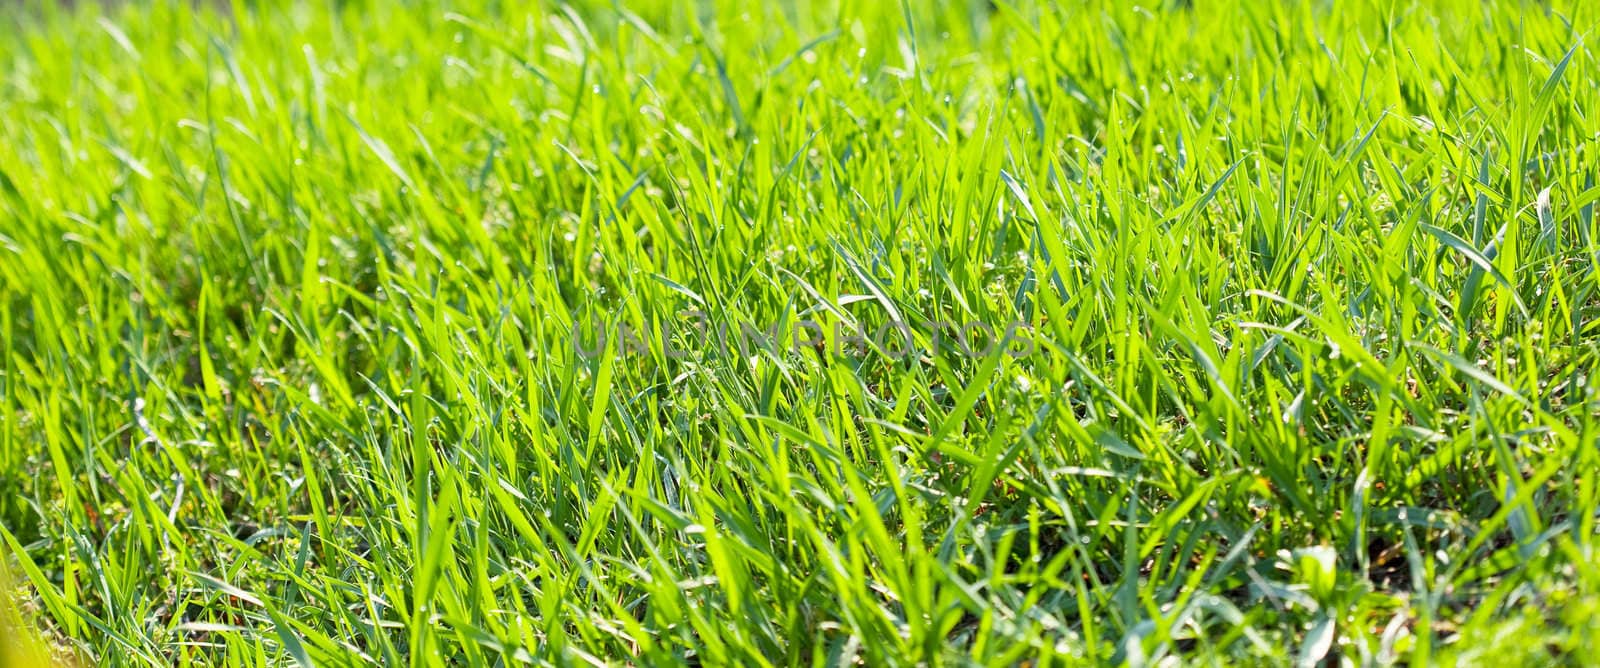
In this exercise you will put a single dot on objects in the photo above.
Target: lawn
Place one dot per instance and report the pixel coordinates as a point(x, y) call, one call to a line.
point(793, 333)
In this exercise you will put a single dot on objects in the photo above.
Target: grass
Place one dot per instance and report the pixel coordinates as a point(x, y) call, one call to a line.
point(290, 293)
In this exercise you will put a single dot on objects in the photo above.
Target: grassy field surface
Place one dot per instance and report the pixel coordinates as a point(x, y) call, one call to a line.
point(301, 305)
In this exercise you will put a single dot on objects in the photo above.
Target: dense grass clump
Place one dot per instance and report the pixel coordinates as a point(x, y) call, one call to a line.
point(303, 307)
